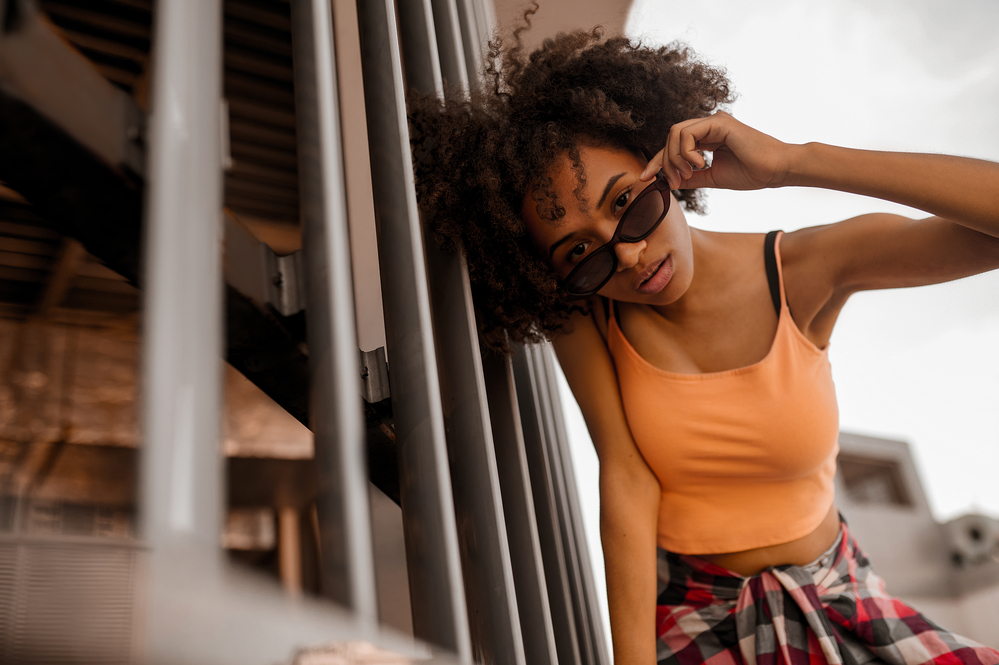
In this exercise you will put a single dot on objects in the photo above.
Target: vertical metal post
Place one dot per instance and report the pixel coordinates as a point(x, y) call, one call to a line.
point(439, 611)
point(417, 34)
point(518, 508)
point(335, 408)
point(594, 647)
point(567, 554)
point(557, 477)
point(476, 30)
point(431, 42)
point(452, 44)
point(529, 388)
point(181, 465)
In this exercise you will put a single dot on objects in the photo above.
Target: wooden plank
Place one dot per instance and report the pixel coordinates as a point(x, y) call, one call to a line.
point(21, 261)
point(257, 134)
point(98, 19)
point(264, 155)
point(265, 91)
point(249, 62)
point(29, 247)
point(275, 15)
point(17, 229)
point(247, 35)
point(240, 107)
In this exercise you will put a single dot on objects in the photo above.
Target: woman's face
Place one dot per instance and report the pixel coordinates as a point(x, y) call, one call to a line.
point(654, 271)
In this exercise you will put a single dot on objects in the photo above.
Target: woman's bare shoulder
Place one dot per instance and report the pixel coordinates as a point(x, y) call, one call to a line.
point(589, 369)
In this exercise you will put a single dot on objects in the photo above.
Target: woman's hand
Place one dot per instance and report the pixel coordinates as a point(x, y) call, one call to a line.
point(743, 158)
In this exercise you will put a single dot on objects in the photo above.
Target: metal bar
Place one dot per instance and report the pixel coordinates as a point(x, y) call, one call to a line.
point(484, 23)
point(181, 463)
point(360, 205)
point(574, 540)
point(518, 508)
point(335, 407)
point(452, 43)
point(556, 469)
point(419, 46)
point(439, 613)
point(488, 576)
point(529, 388)
point(488, 573)
point(474, 36)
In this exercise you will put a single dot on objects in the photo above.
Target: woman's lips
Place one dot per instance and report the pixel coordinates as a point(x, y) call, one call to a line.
point(658, 279)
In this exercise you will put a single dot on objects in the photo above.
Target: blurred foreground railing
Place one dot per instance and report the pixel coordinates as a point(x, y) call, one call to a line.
point(497, 565)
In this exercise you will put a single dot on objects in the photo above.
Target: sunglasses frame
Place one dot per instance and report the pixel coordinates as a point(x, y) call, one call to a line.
point(660, 185)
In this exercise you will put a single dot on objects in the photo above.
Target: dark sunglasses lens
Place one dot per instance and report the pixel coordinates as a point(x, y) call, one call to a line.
point(643, 215)
point(589, 275)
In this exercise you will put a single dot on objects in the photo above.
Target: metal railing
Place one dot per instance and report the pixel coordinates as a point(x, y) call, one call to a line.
point(497, 563)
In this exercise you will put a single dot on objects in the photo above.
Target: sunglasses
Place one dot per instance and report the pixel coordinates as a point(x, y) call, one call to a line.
point(642, 217)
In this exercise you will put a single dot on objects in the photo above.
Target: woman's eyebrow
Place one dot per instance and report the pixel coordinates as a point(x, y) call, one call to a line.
point(566, 237)
point(555, 245)
point(610, 183)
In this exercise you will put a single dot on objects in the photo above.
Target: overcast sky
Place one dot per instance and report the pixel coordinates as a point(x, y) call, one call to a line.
point(921, 365)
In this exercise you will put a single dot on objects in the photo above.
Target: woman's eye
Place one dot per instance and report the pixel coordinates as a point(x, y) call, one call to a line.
point(576, 252)
point(622, 200)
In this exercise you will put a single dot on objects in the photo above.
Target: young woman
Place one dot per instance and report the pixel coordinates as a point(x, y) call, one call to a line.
point(698, 359)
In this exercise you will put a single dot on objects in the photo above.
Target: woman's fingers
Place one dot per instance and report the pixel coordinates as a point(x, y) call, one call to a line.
point(659, 162)
point(682, 158)
point(744, 158)
point(653, 166)
point(698, 179)
point(683, 142)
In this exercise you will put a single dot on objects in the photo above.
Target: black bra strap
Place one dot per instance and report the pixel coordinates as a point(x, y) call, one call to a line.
point(770, 260)
point(608, 304)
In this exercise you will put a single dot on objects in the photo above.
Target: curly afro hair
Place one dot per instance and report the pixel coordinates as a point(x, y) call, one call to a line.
point(477, 156)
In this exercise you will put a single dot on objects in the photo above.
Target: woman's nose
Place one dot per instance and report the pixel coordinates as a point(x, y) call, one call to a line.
point(628, 254)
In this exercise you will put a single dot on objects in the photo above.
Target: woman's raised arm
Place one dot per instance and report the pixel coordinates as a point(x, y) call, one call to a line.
point(875, 251)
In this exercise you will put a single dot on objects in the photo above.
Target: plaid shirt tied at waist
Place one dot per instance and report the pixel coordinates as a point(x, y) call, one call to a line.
point(834, 610)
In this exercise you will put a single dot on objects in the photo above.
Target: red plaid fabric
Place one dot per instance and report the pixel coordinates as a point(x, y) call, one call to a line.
point(834, 610)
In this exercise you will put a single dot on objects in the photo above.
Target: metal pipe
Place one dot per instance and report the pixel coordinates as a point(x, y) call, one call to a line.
point(529, 386)
point(476, 30)
point(557, 477)
point(587, 606)
point(439, 612)
point(181, 505)
point(335, 407)
point(488, 575)
point(418, 37)
point(519, 510)
point(452, 43)
point(360, 205)
point(567, 503)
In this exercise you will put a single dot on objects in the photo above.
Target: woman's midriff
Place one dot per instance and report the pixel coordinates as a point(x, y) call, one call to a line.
point(799, 552)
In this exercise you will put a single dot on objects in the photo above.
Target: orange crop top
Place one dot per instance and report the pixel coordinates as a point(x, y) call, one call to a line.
point(745, 457)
